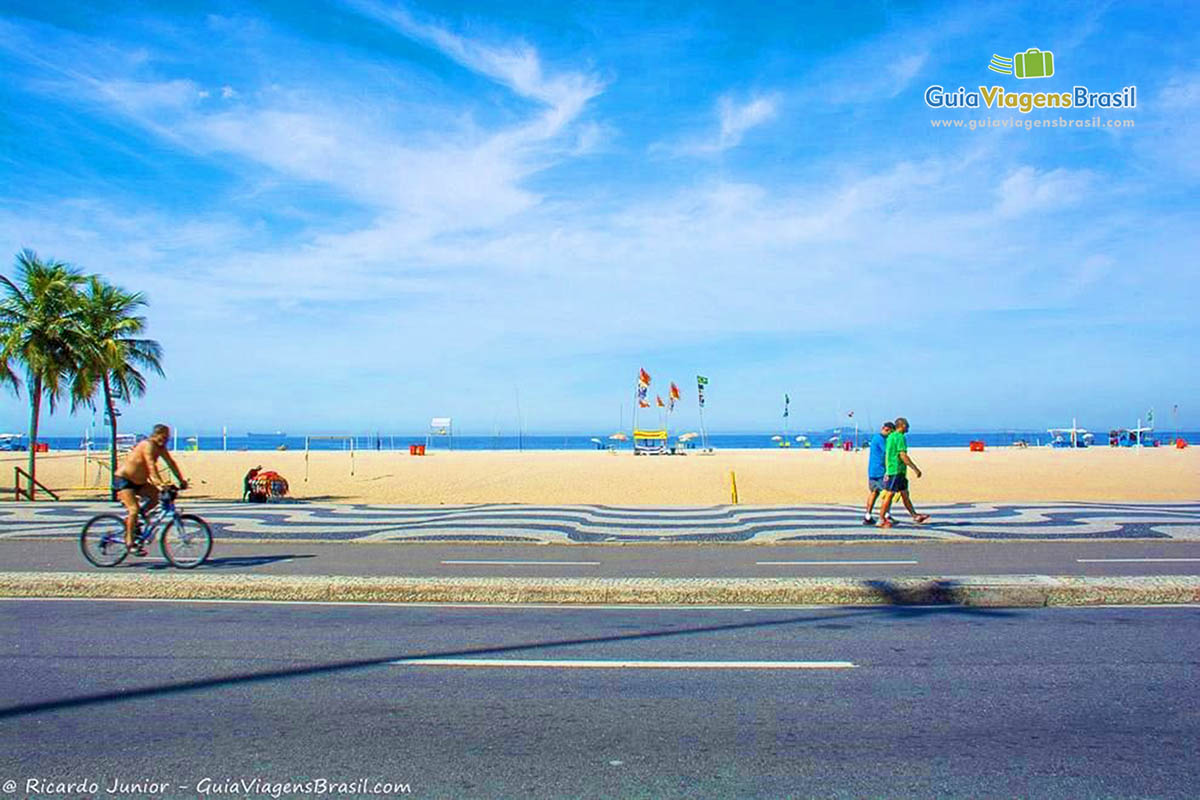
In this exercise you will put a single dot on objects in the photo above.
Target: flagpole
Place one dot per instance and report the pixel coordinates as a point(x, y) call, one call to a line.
point(786, 433)
point(636, 405)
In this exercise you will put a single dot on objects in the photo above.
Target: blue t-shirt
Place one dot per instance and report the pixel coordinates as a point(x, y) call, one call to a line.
point(875, 467)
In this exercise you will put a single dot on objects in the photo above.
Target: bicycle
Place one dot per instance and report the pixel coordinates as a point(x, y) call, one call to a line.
point(186, 540)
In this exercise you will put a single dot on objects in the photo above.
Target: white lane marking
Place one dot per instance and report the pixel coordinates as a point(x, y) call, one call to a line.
point(825, 563)
point(577, 664)
point(527, 563)
point(1131, 560)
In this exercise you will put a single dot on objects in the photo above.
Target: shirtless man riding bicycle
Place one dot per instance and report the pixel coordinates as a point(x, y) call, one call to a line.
point(139, 477)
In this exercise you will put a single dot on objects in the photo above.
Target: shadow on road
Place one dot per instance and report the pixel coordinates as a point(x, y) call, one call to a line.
point(228, 563)
point(815, 619)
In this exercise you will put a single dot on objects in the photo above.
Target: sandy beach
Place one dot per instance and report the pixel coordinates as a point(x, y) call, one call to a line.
point(764, 477)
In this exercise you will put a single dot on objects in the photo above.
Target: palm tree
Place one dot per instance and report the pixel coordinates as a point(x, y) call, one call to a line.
point(111, 352)
point(38, 328)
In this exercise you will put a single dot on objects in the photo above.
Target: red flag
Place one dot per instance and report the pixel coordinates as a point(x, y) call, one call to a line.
point(643, 404)
point(674, 391)
point(661, 404)
point(644, 377)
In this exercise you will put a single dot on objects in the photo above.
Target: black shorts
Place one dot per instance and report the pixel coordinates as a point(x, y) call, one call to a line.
point(895, 483)
point(121, 484)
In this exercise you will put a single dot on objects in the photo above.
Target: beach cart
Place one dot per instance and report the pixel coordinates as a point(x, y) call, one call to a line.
point(269, 485)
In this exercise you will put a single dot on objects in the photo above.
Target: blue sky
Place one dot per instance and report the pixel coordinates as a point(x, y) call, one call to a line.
point(354, 216)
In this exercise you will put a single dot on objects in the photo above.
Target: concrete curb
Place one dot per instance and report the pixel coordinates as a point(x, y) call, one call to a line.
point(985, 591)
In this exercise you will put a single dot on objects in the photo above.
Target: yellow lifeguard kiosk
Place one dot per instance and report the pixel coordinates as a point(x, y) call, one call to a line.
point(649, 443)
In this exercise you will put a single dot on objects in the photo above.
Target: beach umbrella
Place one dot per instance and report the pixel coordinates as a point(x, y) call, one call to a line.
point(619, 437)
point(597, 441)
point(687, 437)
point(801, 438)
point(776, 438)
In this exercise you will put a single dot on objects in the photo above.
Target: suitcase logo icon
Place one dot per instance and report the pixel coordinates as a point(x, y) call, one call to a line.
point(1033, 63)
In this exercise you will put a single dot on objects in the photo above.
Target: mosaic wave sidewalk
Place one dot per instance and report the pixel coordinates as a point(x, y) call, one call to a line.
point(588, 524)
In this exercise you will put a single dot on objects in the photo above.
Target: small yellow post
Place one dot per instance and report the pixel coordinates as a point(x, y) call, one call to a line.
point(733, 485)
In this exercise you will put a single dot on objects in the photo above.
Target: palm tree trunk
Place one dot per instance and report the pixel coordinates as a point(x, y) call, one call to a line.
point(35, 405)
point(112, 432)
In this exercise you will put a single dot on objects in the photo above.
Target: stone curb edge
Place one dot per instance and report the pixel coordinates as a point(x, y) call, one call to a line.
point(986, 591)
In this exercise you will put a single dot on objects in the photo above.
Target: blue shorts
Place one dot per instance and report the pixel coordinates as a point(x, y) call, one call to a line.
point(875, 484)
point(895, 483)
point(121, 484)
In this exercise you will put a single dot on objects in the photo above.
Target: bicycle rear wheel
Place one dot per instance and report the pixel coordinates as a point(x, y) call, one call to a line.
point(103, 540)
point(186, 541)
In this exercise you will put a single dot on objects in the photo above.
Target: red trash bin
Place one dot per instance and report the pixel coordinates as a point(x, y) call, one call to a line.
point(412, 449)
point(420, 449)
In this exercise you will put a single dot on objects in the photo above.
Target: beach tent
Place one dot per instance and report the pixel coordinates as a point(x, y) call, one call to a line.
point(649, 443)
point(440, 426)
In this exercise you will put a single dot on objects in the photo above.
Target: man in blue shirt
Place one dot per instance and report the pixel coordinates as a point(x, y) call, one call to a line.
point(876, 468)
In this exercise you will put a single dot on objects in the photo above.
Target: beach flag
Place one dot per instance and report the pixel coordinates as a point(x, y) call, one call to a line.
point(850, 415)
point(642, 403)
point(643, 377)
point(786, 400)
point(1150, 417)
point(674, 391)
point(661, 404)
point(701, 382)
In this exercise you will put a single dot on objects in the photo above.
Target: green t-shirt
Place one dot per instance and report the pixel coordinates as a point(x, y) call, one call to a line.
point(896, 444)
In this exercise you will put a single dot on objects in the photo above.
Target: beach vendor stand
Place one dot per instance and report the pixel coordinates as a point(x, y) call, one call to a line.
point(650, 443)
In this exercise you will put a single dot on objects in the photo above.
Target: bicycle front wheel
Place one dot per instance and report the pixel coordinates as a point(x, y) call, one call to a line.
point(186, 541)
point(103, 540)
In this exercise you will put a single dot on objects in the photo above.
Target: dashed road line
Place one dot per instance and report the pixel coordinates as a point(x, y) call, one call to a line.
point(827, 563)
point(621, 664)
point(1134, 560)
point(458, 562)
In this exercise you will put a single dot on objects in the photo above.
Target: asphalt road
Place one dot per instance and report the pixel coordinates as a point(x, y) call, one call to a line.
point(909, 702)
point(1165, 557)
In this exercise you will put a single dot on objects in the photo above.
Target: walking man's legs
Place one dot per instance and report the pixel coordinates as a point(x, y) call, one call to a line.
point(871, 501)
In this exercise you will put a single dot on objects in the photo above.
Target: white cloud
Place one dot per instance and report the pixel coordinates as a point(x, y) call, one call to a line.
point(734, 120)
point(1028, 191)
point(737, 119)
point(517, 66)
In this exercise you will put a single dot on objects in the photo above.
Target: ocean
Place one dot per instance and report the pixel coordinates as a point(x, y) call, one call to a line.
point(721, 441)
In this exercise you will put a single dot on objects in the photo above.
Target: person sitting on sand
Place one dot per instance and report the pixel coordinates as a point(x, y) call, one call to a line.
point(139, 477)
point(876, 468)
point(897, 462)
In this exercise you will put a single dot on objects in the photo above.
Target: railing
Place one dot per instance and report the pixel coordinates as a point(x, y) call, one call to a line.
point(17, 473)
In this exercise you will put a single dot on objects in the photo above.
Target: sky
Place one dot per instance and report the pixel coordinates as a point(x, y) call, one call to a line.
point(354, 216)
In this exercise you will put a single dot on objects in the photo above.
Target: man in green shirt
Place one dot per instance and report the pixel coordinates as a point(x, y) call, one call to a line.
point(895, 479)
